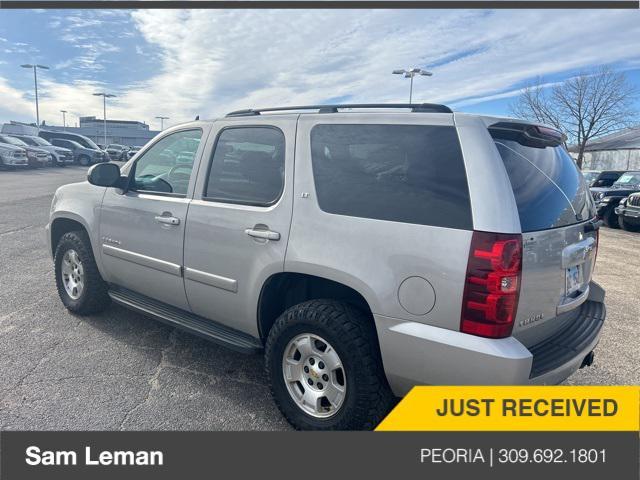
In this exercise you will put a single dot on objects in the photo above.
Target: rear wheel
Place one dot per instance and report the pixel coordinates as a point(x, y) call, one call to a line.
point(610, 218)
point(80, 286)
point(629, 227)
point(323, 360)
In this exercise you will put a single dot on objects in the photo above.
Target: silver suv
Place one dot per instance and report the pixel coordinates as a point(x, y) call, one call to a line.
point(364, 248)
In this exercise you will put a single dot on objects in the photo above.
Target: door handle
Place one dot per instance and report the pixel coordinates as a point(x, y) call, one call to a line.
point(265, 234)
point(167, 220)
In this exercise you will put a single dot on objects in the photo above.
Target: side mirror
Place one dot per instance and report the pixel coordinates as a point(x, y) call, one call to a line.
point(106, 175)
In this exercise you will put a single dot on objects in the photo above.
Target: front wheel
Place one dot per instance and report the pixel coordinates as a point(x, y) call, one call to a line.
point(84, 160)
point(323, 361)
point(80, 285)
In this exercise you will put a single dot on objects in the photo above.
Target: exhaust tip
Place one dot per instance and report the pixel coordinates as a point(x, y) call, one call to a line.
point(588, 360)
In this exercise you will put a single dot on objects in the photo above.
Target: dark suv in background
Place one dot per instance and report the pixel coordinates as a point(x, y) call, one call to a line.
point(90, 152)
point(608, 198)
point(82, 155)
point(628, 212)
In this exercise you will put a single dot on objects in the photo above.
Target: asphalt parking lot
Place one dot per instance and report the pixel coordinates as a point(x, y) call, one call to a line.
point(122, 371)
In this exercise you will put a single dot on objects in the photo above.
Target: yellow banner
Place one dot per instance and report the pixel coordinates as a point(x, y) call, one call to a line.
point(517, 408)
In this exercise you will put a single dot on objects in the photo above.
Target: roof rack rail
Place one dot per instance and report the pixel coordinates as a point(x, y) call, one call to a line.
point(414, 107)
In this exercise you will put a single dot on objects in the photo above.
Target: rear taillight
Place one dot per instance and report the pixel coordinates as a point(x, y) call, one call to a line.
point(492, 284)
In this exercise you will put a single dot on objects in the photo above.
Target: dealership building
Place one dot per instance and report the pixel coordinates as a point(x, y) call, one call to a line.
point(617, 151)
point(123, 132)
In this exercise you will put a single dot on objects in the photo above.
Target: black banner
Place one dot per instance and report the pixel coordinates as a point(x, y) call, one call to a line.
point(319, 455)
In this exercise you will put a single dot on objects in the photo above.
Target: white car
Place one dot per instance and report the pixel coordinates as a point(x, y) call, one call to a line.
point(12, 156)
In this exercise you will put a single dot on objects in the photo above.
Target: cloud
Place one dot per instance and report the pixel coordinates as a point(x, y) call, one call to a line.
point(208, 62)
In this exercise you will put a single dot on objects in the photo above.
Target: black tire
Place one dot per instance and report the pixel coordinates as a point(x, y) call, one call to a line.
point(351, 333)
point(610, 218)
point(84, 160)
point(94, 297)
point(629, 227)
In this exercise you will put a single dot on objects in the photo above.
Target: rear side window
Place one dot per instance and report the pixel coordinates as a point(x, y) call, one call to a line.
point(401, 173)
point(549, 190)
point(247, 166)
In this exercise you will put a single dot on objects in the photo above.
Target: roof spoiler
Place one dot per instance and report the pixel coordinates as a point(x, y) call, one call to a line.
point(529, 135)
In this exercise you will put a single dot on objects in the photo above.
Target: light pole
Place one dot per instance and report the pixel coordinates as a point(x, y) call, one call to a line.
point(410, 73)
point(35, 81)
point(64, 120)
point(162, 119)
point(104, 111)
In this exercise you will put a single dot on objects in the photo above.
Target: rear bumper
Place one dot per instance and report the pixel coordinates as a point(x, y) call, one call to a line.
point(418, 354)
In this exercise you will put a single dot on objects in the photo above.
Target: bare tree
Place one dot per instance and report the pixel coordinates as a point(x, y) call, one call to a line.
point(584, 107)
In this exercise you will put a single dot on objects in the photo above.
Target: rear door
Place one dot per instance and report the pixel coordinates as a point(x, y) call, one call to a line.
point(559, 245)
point(238, 222)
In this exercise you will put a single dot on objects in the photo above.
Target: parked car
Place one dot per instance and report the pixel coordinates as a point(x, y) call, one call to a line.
point(132, 151)
point(607, 198)
point(36, 157)
point(91, 153)
point(590, 176)
point(82, 155)
point(406, 248)
point(60, 156)
point(628, 211)
point(12, 156)
point(606, 178)
point(117, 152)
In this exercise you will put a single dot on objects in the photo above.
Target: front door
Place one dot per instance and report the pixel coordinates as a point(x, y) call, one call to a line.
point(142, 230)
point(238, 223)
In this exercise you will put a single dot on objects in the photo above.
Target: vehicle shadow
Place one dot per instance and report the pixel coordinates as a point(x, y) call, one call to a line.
point(194, 383)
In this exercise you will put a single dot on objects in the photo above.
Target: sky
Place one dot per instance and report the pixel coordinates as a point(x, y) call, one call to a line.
point(183, 63)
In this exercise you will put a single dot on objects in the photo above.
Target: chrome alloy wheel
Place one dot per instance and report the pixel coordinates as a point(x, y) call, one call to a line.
point(72, 274)
point(314, 375)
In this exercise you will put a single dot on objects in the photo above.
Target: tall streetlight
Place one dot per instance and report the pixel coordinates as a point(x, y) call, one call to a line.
point(104, 110)
point(35, 81)
point(64, 119)
point(410, 73)
point(162, 119)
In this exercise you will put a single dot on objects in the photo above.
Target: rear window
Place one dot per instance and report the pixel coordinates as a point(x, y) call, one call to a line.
point(549, 190)
point(401, 173)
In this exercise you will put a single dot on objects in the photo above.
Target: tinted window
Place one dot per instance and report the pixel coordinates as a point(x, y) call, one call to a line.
point(247, 166)
point(166, 167)
point(65, 143)
point(402, 173)
point(549, 189)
